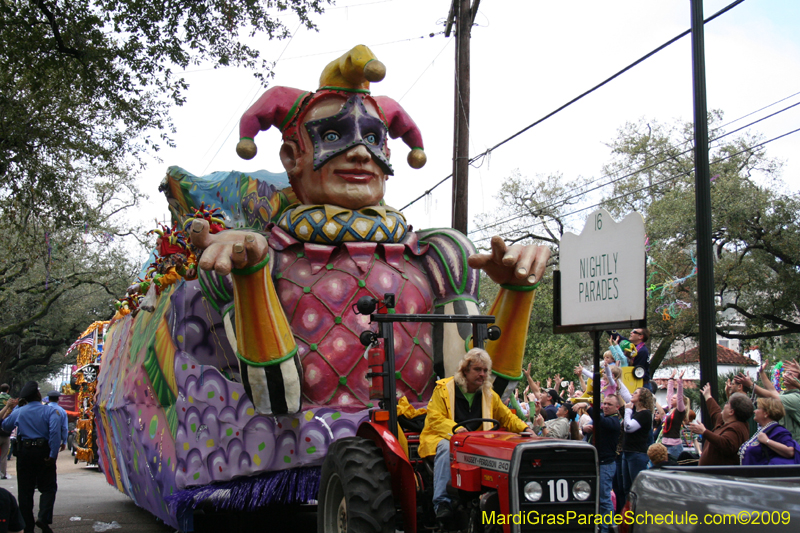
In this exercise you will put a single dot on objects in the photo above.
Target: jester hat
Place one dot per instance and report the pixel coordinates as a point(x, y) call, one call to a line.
point(172, 240)
point(348, 76)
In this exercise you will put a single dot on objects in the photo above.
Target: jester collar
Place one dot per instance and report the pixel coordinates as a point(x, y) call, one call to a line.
point(329, 224)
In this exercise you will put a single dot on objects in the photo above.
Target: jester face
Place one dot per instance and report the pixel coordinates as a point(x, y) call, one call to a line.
point(345, 161)
point(350, 127)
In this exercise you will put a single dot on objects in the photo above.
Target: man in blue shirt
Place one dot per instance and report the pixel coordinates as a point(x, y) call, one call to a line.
point(39, 435)
point(53, 396)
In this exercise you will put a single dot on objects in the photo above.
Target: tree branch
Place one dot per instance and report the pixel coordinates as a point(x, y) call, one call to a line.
point(51, 19)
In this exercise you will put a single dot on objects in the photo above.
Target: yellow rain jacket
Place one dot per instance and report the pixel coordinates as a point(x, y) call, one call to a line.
point(441, 411)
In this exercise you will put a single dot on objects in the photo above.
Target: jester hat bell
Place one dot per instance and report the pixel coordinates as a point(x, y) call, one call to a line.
point(348, 76)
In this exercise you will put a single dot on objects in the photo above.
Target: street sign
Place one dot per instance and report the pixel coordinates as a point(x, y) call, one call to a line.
point(601, 281)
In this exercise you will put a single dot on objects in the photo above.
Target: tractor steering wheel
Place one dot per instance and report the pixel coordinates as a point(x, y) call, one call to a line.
point(495, 423)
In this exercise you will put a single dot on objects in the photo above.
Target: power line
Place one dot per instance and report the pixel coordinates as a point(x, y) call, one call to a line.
point(611, 78)
point(650, 186)
point(248, 105)
point(582, 190)
point(426, 69)
point(326, 53)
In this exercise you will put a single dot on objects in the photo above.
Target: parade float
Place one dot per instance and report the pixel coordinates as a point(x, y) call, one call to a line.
point(84, 385)
point(234, 361)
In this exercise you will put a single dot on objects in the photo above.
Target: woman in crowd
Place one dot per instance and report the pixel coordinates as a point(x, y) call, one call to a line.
point(772, 444)
point(584, 420)
point(637, 428)
point(721, 445)
point(690, 441)
point(659, 458)
point(673, 420)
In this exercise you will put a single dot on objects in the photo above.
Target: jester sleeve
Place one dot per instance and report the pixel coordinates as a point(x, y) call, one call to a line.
point(456, 288)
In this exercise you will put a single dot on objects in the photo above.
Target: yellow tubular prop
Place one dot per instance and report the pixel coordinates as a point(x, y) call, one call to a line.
point(513, 311)
point(348, 70)
point(262, 329)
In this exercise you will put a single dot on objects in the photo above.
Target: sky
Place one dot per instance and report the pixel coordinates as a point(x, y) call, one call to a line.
point(528, 58)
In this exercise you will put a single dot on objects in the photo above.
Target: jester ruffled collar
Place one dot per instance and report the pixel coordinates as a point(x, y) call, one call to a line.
point(329, 224)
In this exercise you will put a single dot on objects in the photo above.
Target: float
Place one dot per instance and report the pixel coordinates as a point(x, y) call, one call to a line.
point(234, 361)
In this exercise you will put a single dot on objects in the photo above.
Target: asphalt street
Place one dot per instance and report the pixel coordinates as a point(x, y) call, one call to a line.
point(85, 503)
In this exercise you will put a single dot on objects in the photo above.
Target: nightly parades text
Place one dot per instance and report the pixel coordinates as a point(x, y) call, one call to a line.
point(598, 275)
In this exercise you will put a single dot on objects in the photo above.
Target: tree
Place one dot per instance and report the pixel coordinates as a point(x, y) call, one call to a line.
point(85, 89)
point(90, 83)
point(537, 212)
point(56, 280)
point(755, 227)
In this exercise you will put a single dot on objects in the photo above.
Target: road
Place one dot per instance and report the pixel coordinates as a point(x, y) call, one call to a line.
point(85, 503)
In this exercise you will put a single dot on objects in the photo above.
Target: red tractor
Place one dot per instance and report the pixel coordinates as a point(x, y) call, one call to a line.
point(501, 481)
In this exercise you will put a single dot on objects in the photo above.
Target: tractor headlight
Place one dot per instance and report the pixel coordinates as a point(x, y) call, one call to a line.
point(533, 491)
point(581, 490)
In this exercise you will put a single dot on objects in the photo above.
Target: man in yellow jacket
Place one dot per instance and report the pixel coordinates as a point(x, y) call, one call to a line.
point(466, 395)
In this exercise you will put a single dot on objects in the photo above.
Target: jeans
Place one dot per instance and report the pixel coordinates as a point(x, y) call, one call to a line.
point(675, 450)
point(632, 464)
point(606, 482)
point(618, 484)
point(441, 474)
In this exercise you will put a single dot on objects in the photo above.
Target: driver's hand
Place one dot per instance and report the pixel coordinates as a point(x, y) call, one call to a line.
point(460, 429)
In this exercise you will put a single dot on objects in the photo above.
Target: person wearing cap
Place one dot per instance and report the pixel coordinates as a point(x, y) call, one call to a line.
point(336, 155)
point(550, 401)
point(39, 432)
point(53, 397)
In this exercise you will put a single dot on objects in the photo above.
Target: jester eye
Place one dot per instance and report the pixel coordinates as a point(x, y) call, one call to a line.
point(371, 138)
point(331, 136)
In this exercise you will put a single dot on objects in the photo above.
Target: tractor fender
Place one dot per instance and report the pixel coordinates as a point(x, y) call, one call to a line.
point(404, 482)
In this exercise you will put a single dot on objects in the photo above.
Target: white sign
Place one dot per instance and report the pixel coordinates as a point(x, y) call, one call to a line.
point(602, 271)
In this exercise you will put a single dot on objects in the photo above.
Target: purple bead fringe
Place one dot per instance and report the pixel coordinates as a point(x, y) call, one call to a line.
point(299, 485)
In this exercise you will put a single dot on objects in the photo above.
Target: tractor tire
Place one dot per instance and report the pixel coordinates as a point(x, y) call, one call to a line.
point(355, 493)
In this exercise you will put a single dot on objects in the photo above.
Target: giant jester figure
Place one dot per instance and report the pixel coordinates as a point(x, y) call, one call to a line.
point(252, 370)
point(341, 241)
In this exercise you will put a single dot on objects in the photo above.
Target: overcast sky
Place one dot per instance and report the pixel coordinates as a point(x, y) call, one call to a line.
point(528, 58)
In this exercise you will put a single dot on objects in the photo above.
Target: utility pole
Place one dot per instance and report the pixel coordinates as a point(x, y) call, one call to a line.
point(707, 338)
point(463, 14)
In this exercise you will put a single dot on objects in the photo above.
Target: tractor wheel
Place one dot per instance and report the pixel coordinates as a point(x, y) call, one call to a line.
point(355, 493)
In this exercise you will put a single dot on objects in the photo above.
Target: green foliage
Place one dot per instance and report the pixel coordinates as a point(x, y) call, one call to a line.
point(54, 282)
point(548, 354)
point(552, 354)
point(779, 348)
point(85, 90)
point(754, 228)
point(89, 83)
point(755, 231)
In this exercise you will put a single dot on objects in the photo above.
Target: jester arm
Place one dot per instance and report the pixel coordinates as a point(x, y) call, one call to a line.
point(263, 340)
point(227, 249)
point(517, 269)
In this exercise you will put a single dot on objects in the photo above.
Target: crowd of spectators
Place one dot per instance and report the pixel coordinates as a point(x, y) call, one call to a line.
point(638, 434)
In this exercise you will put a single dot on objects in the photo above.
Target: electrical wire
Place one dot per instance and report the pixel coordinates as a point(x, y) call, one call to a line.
point(257, 90)
point(582, 190)
point(650, 186)
point(426, 69)
point(577, 98)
